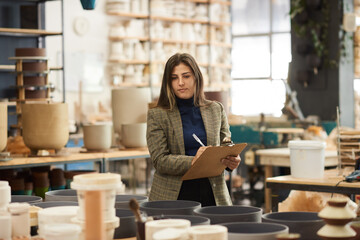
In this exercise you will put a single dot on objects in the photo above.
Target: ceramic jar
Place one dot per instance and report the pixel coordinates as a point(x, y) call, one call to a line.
point(97, 136)
point(129, 105)
point(45, 126)
point(336, 215)
point(133, 135)
point(3, 126)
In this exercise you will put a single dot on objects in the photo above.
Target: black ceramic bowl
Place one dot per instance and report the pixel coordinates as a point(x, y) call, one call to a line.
point(55, 204)
point(175, 207)
point(225, 214)
point(195, 220)
point(61, 195)
point(122, 200)
point(25, 198)
point(304, 223)
point(127, 228)
point(254, 231)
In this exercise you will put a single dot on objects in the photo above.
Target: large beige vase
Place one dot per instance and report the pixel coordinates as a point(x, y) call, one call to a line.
point(45, 126)
point(3, 126)
point(129, 105)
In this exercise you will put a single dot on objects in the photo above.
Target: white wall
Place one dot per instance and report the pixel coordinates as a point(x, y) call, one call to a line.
point(85, 55)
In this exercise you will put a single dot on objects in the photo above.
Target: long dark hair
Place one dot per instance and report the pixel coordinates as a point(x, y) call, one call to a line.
point(167, 98)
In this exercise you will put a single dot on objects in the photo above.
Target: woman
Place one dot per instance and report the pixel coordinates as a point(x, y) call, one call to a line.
point(181, 111)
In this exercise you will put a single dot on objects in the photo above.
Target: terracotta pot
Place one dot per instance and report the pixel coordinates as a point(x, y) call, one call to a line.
point(134, 135)
point(34, 94)
point(225, 214)
point(3, 126)
point(34, 80)
point(34, 66)
point(30, 52)
point(97, 136)
point(129, 105)
point(254, 231)
point(175, 207)
point(45, 126)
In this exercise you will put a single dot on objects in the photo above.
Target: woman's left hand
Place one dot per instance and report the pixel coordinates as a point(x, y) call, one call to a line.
point(231, 162)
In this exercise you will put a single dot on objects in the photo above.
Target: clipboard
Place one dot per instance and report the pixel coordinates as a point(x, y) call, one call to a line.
point(209, 165)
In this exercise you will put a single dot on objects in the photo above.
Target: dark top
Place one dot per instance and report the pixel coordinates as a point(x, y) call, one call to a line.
point(197, 189)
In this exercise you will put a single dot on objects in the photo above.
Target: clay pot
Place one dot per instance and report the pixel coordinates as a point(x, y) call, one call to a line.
point(134, 135)
point(194, 220)
point(30, 52)
point(129, 105)
point(34, 80)
point(225, 214)
point(97, 136)
point(356, 227)
point(127, 228)
point(55, 204)
point(3, 126)
point(17, 186)
point(34, 66)
point(337, 212)
point(175, 207)
point(25, 198)
point(254, 231)
point(122, 200)
point(35, 94)
point(45, 126)
point(304, 223)
point(220, 96)
point(57, 178)
point(61, 195)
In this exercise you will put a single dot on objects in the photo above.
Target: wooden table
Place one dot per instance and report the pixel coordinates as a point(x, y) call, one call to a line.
point(280, 157)
point(72, 155)
point(331, 182)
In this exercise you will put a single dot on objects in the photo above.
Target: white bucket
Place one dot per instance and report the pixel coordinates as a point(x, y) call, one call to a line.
point(307, 158)
point(64, 231)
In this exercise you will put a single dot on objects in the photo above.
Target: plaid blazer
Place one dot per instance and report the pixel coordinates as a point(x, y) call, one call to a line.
point(166, 146)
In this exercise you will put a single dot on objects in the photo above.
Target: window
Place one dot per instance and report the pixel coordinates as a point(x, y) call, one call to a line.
point(261, 54)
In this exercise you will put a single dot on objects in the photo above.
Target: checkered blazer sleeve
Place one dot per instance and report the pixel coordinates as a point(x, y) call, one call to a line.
point(162, 146)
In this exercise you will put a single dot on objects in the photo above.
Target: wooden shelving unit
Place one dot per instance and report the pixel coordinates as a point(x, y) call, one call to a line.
point(181, 20)
point(128, 15)
point(349, 147)
point(25, 32)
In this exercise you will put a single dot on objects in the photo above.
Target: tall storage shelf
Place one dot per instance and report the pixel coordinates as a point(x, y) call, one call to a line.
point(25, 28)
point(199, 27)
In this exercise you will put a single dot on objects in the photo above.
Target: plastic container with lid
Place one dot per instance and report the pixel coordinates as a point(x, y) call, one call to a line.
point(5, 225)
point(110, 226)
point(20, 219)
point(61, 231)
point(307, 158)
point(5, 195)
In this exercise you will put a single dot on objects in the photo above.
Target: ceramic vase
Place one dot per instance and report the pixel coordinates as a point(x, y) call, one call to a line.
point(3, 126)
point(45, 126)
point(97, 137)
point(336, 215)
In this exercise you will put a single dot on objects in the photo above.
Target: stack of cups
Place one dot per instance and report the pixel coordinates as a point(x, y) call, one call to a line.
point(5, 218)
point(97, 193)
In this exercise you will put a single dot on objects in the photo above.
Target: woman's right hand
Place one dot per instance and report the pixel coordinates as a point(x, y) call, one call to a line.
point(198, 154)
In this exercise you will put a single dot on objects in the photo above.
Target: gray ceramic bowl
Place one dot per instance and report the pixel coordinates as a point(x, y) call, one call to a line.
point(304, 223)
point(254, 231)
point(225, 214)
point(55, 204)
point(195, 220)
point(127, 228)
point(175, 207)
point(25, 198)
point(122, 200)
point(61, 195)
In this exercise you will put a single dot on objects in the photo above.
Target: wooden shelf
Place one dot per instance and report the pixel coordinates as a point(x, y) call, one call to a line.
point(129, 61)
point(174, 41)
point(141, 39)
point(29, 58)
point(176, 19)
point(227, 3)
point(29, 32)
point(220, 44)
point(7, 67)
point(56, 68)
point(32, 100)
point(221, 24)
point(132, 85)
point(130, 15)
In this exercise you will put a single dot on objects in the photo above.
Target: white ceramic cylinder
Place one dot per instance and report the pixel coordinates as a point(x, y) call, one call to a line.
point(97, 136)
point(129, 105)
point(307, 158)
point(208, 232)
point(3, 126)
point(107, 182)
point(61, 232)
point(5, 226)
point(5, 195)
point(20, 219)
point(134, 135)
point(157, 225)
point(110, 227)
point(55, 215)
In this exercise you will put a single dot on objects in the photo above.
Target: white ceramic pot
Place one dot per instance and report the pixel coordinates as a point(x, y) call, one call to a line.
point(134, 135)
point(3, 126)
point(45, 126)
point(97, 136)
point(129, 105)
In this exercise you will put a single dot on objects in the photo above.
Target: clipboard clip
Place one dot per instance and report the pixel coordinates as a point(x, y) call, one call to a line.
point(227, 142)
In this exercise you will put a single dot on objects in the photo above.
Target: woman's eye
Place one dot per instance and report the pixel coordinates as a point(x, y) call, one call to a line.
point(186, 76)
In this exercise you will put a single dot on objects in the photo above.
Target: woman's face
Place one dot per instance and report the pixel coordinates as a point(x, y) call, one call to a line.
point(183, 81)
